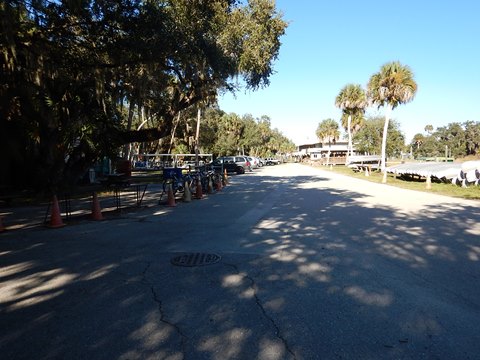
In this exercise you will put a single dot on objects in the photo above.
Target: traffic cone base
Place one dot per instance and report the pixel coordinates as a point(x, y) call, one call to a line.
point(96, 210)
point(55, 217)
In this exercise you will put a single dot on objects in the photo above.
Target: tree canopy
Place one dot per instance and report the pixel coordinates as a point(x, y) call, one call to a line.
point(458, 139)
point(74, 72)
point(393, 85)
point(352, 100)
point(369, 138)
point(328, 129)
point(227, 134)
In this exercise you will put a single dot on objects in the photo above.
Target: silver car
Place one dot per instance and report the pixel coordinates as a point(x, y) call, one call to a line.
point(255, 164)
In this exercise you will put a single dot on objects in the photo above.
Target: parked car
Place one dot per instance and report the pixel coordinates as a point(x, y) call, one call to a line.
point(260, 162)
point(272, 161)
point(236, 164)
point(253, 162)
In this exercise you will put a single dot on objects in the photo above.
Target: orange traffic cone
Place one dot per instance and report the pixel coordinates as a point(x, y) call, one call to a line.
point(199, 193)
point(187, 195)
point(210, 185)
point(2, 228)
point(219, 184)
point(225, 178)
point(170, 196)
point(55, 217)
point(96, 211)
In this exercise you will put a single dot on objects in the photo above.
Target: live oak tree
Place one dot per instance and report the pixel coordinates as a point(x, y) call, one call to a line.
point(472, 137)
point(455, 139)
point(79, 77)
point(368, 139)
point(229, 134)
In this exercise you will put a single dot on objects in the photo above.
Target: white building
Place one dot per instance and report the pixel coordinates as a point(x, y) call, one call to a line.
point(333, 153)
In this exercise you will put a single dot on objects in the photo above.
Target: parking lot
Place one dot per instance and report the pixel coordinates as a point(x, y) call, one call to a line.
point(286, 262)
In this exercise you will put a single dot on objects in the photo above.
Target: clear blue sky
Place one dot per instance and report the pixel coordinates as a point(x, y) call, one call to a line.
point(329, 44)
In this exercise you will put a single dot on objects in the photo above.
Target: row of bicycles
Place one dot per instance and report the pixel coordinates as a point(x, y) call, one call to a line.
point(179, 178)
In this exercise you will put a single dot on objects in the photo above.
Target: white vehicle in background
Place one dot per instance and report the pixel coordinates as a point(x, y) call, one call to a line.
point(260, 161)
point(253, 162)
point(272, 161)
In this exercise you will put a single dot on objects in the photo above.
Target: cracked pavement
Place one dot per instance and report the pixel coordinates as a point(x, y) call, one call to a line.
point(313, 265)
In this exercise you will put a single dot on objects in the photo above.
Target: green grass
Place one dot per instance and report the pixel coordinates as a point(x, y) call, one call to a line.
point(154, 176)
point(447, 189)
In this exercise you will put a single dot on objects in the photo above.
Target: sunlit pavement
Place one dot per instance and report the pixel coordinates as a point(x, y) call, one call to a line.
point(313, 265)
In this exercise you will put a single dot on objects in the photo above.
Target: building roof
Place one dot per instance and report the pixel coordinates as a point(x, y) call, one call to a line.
point(323, 147)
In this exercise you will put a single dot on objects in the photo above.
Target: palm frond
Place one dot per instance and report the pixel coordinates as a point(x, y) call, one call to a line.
point(393, 85)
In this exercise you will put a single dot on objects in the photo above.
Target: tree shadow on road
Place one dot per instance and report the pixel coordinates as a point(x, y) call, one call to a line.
point(323, 275)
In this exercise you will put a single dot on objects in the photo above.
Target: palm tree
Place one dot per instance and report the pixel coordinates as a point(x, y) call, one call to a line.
point(429, 129)
point(328, 129)
point(352, 100)
point(393, 85)
point(418, 140)
point(357, 121)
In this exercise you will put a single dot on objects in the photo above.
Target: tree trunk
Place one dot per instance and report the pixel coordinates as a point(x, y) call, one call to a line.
point(328, 153)
point(388, 110)
point(197, 135)
point(349, 126)
point(126, 147)
point(174, 129)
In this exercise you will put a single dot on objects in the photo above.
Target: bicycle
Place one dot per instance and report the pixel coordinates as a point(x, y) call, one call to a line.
point(175, 178)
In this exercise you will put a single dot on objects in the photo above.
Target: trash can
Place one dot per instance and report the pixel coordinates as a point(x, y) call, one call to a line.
point(124, 167)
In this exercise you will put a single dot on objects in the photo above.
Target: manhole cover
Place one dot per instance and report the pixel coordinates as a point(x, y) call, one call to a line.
point(195, 259)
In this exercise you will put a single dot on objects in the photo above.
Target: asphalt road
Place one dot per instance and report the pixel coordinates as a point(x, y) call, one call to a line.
point(313, 265)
